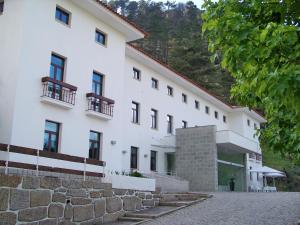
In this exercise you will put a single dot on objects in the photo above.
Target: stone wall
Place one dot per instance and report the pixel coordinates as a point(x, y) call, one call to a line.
point(196, 157)
point(33, 200)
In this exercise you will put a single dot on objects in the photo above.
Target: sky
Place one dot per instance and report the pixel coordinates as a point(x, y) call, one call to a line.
point(197, 2)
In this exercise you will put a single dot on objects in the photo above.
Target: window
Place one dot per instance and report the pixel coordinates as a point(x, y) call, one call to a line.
point(170, 91)
point(1, 6)
point(51, 136)
point(216, 115)
point(94, 145)
point(62, 15)
point(257, 176)
point(184, 124)
point(184, 98)
point(100, 37)
point(134, 157)
point(57, 67)
point(207, 110)
point(153, 118)
point(154, 83)
point(255, 126)
point(153, 160)
point(248, 122)
point(251, 178)
point(97, 83)
point(135, 112)
point(196, 104)
point(169, 124)
point(224, 119)
point(136, 74)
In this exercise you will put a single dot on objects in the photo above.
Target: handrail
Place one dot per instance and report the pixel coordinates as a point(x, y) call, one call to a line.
point(63, 84)
point(93, 95)
point(239, 135)
point(52, 155)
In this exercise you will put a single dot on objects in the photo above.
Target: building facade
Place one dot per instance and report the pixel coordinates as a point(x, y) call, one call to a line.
point(70, 83)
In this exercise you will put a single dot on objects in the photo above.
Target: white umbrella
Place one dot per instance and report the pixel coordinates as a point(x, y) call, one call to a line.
point(265, 170)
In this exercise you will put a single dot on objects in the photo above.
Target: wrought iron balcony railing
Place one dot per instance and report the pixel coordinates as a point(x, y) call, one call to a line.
point(100, 104)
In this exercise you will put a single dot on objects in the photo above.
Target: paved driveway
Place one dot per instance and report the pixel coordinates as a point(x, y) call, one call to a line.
point(238, 209)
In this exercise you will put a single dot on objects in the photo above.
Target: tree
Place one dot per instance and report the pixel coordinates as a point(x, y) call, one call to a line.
point(259, 44)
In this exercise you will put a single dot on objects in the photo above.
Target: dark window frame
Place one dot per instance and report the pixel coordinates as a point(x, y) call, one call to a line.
point(134, 157)
point(1, 7)
point(207, 110)
point(98, 34)
point(216, 115)
point(135, 112)
point(154, 83)
point(170, 91)
point(98, 84)
point(153, 160)
point(169, 124)
point(248, 123)
point(92, 153)
point(184, 98)
point(154, 119)
point(57, 89)
point(62, 12)
point(224, 119)
point(197, 104)
point(137, 74)
point(50, 134)
point(184, 124)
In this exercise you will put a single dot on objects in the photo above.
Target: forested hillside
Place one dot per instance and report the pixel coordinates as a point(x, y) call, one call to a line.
point(175, 38)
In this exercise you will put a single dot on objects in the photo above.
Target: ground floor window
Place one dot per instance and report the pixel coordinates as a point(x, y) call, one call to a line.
point(153, 161)
point(134, 158)
point(51, 136)
point(94, 145)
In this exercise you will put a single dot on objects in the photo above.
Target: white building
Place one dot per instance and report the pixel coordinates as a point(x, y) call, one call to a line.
point(68, 75)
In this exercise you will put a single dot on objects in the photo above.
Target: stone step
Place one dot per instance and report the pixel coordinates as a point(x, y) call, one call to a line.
point(128, 218)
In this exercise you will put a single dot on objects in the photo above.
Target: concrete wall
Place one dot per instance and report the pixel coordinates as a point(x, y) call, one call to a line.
point(196, 157)
point(57, 201)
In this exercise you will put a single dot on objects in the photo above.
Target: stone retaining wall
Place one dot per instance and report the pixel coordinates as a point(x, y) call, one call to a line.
point(32, 200)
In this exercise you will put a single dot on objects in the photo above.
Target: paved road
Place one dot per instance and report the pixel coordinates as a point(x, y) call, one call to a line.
point(238, 209)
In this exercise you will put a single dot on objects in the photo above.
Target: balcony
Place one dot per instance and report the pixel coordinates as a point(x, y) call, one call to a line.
point(58, 93)
point(231, 141)
point(99, 106)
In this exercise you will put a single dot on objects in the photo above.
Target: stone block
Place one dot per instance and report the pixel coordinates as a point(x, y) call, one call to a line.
point(107, 193)
point(148, 196)
point(97, 221)
point(59, 197)
point(87, 184)
point(81, 201)
point(31, 182)
point(10, 181)
point(48, 222)
point(113, 204)
point(32, 214)
point(32, 223)
point(76, 193)
point(61, 190)
point(19, 199)
point(99, 207)
point(8, 218)
point(73, 184)
point(66, 222)
point(68, 213)
point(100, 185)
point(130, 203)
point(4, 194)
point(120, 191)
point(141, 195)
point(95, 194)
point(112, 217)
point(55, 210)
point(82, 213)
point(50, 182)
point(40, 198)
point(148, 202)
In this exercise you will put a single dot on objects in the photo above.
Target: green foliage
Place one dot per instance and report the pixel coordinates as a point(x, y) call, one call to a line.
point(259, 42)
point(136, 174)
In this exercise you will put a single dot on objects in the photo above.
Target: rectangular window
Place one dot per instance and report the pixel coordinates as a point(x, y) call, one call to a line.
point(184, 124)
point(154, 83)
point(57, 69)
point(62, 15)
point(251, 178)
point(1, 6)
point(184, 98)
point(153, 118)
point(100, 37)
point(135, 112)
point(257, 176)
point(196, 104)
point(224, 119)
point(207, 110)
point(134, 158)
point(94, 145)
point(97, 83)
point(51, 136)
point(170, 91)
point(248, 122)
point(136, 74)
point(169, 124)
point(255, 126)
point(216, 115)
point(153, 161)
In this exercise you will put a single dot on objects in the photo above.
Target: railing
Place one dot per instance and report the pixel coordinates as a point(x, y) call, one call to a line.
point(59, 90)
point(41, 160)
point(100, 104)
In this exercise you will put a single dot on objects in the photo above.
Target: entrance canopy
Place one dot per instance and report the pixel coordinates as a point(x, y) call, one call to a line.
point(268, 171)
